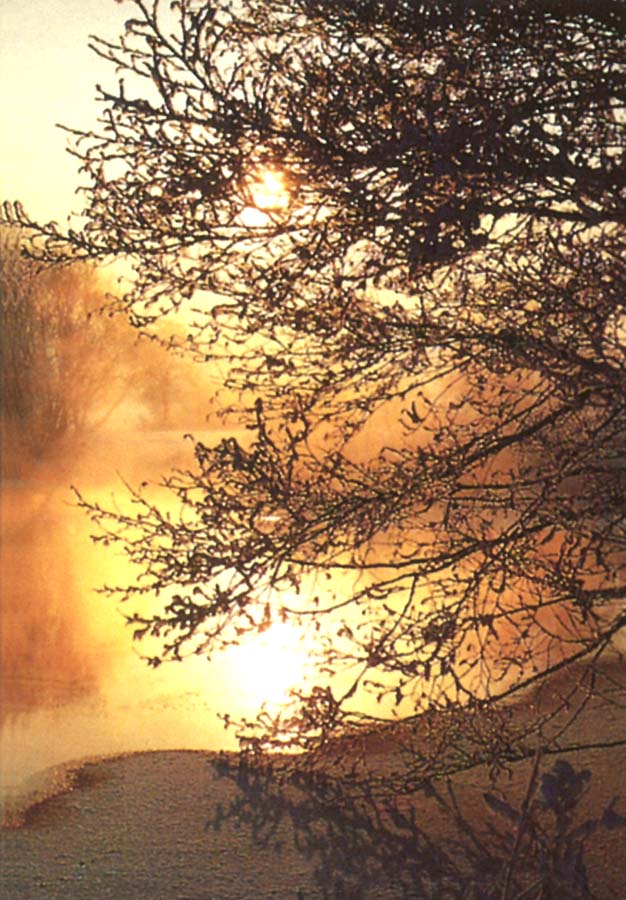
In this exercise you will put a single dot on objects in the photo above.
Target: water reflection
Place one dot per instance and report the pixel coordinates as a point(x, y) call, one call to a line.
point(44, 629)
point(73, 685)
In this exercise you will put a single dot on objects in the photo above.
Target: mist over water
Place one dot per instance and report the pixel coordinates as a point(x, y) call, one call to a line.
point(73, 684)
point(85, 403)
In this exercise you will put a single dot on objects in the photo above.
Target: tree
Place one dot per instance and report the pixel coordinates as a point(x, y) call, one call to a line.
point(57, 382)
point(426, 324)
point(54, 382)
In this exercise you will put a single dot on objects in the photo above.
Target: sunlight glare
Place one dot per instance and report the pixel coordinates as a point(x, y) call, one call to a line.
point(267, 665)
point(268, 193)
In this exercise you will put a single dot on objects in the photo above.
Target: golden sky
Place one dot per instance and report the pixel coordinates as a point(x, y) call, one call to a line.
point(48, 75)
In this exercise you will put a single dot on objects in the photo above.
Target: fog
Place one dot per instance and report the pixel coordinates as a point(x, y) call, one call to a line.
point(85, 403)
point(72, 683)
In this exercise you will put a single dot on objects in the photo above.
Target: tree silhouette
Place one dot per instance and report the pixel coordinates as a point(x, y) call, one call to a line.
point(54, 382)
point(425, 323)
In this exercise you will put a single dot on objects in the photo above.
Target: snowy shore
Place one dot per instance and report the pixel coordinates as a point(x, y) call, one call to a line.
point(169, 826)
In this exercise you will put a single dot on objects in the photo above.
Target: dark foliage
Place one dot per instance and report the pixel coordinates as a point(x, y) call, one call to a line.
point(426, 324)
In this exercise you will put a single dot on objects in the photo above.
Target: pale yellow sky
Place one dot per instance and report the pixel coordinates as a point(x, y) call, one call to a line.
point(48, 75)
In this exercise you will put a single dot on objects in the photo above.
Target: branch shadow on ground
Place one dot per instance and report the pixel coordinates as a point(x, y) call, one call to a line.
point(365, 842)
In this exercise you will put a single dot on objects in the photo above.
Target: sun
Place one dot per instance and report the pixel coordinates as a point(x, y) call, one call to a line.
point(268, 193)
point(269, 190)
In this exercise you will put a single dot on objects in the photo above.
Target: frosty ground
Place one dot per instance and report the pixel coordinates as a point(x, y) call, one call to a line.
point(169, 826)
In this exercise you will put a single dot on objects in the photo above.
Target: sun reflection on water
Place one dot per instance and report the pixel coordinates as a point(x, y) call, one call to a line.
point(266, 666)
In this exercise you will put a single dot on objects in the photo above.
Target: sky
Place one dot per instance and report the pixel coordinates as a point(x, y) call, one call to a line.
point(48, 76)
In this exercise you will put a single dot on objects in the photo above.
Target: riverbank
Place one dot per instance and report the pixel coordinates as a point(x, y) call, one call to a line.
point(173, 824)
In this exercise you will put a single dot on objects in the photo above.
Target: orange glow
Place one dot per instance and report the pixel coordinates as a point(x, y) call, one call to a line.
point(268, 194)
point(267, 665)
point(269, 190)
